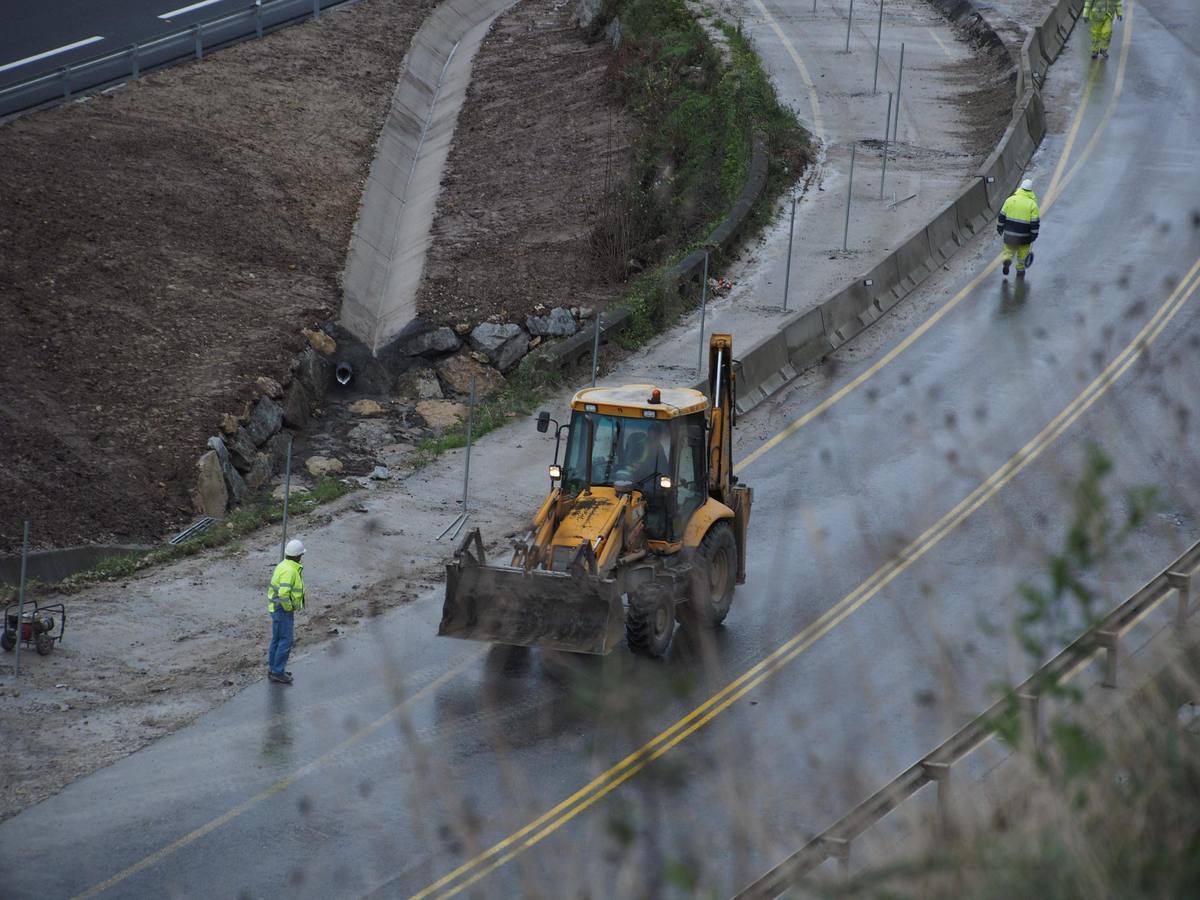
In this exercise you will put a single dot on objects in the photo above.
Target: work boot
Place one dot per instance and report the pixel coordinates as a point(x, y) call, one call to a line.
point(1104, 54)
point(280, 677)
point(1007, 263)
point(1020, 273)
point(1095, 53)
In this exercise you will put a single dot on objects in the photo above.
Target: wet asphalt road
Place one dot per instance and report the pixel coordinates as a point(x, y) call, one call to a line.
point(320, 791)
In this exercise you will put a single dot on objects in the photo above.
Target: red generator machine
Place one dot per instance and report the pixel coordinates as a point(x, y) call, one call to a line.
point(37, 626)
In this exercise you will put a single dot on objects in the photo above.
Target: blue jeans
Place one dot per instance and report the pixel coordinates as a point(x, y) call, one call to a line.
point(282, 629)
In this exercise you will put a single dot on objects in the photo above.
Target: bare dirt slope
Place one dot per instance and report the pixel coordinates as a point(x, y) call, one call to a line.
point(540, 129)
point(163, 245)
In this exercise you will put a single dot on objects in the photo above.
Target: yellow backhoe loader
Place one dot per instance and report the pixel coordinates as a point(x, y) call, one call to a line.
point(645, 524)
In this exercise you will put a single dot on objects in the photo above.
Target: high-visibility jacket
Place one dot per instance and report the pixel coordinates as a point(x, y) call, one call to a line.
point(1103, 8)
point(1019, 218)
point(287, 587)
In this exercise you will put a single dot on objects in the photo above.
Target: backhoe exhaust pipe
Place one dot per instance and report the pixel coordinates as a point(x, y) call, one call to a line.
point(344, 373)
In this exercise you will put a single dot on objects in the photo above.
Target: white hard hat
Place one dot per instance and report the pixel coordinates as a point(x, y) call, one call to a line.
point(294, 548)
point(1027, 184)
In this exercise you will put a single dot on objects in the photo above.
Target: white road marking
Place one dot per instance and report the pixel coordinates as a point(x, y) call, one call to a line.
point(29, 59)
point(188, 9)
point(933, 34)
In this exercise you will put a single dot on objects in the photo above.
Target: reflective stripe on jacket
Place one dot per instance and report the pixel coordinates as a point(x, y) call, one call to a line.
point(1103, 8)
point(287, 586)
point(1019, 218)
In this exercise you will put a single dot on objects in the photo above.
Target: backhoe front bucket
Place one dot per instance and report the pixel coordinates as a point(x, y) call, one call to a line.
point(506, 605)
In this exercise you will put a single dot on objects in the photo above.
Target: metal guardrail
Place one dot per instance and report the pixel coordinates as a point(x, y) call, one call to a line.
point(1104, 637)
point(132, 61)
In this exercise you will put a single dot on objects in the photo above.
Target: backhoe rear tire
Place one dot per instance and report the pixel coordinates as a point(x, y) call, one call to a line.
point(714, 575)
point(650, 620)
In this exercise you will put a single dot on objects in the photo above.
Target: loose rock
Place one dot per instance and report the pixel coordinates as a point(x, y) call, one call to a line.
point(456, 373)
point(380, 473)
point(420, 384)
point(241, 449)
point(441, 413)
point(503, 344)
point(268, 387)
point(320, 341)
point(233, 480)
point(229, 423)
point(211, 497)
point(367, 407)
point(370, 436)
point(431, 343)
point(321, 466)
point(265, 420)
point(260, 472)
point(560, 323)
point(296, 405)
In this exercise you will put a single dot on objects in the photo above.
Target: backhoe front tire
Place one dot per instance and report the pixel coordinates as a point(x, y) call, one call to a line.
point(714, 575)
point(650, 620)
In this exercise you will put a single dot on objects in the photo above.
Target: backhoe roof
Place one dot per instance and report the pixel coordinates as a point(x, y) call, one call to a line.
point(633, 400)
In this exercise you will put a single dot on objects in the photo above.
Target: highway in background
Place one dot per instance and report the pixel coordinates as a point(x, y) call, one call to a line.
point(892, 527)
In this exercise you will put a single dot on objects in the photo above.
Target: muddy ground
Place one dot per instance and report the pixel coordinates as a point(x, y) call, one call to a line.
point(540, 139)
point(163, 246)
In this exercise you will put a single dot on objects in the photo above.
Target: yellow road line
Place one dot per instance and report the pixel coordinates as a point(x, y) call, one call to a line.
point(506, 849)
point(933, 34)
point(813, 100)
point(286, 782)
point(278, 787)
point(1056, 189)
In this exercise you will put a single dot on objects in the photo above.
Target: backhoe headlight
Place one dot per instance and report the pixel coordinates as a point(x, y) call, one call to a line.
point(555, 472)
point(664, 482)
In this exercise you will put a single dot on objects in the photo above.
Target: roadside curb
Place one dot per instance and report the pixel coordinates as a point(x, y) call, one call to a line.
point(807, 338)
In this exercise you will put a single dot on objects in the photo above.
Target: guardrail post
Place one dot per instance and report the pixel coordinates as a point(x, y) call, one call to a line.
point(199, 42)
point(787, 274)
point(1109, 641)
point(1031, 719)
point(849, 19)
point(839, 849)
point(134, 63)
point(258, 18)
point(1182, 583)
point(65, 74)
point(316, 9)
point(940, 773)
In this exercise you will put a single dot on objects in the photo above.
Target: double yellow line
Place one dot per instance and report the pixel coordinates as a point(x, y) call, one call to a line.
point(507, 849)
point(478, 867)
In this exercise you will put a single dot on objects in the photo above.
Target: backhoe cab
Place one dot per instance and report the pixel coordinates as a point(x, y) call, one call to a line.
point(644, 524)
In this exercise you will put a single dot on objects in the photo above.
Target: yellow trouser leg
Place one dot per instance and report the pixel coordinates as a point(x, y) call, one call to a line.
point(1006, 254)
point(1102, 28)
point(1022, 255)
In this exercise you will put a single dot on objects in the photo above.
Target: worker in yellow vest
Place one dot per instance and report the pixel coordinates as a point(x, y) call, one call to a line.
point(1018, 224)
point(1100, 14)
point(285, 597)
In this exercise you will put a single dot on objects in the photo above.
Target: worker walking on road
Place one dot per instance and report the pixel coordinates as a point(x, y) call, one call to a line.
point(284, 597)
point(1100, 14)
point(1018, 224)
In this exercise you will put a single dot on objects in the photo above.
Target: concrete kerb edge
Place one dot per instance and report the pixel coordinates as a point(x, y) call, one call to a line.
point(854, 308)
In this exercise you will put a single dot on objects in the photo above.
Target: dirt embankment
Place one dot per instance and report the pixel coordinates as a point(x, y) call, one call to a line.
point(540, 136)
point(163, 245)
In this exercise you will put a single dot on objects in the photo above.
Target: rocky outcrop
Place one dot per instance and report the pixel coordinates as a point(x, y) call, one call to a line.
point(504, 345)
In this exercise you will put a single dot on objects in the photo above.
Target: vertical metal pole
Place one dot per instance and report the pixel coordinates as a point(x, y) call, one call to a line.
point(886, 122)
point(849, 195)
point(258, 17)
point(787, 275)
point(316, 9)
point(470, 426)
point(287, 493)
point(703, 308)
point(849, 19)
point(814, 7)
point(596, 349)
point(135, 66)
point(878, 37)
point(899, 84)
point(66, 82)
point(199, 42)
point(21, 601)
